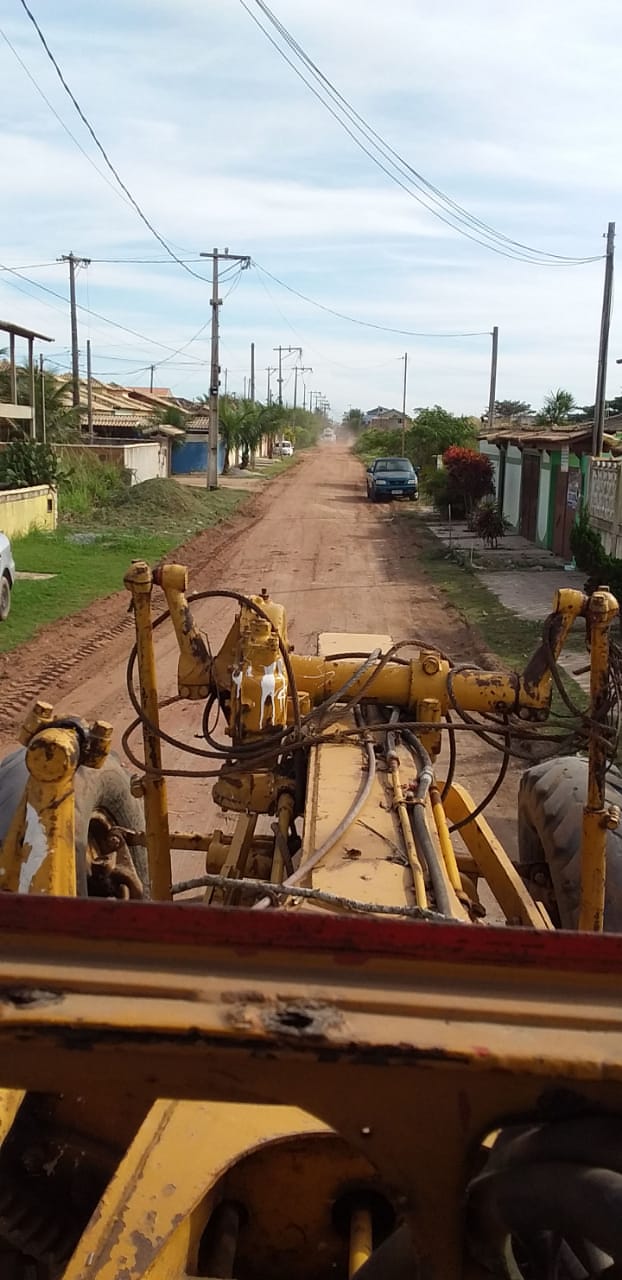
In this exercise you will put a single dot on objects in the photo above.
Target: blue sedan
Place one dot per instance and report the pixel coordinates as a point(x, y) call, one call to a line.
point(392, 478)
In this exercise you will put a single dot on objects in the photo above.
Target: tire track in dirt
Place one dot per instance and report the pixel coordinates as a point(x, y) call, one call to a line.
point(35, 670)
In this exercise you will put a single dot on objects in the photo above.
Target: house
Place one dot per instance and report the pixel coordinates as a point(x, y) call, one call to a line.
point(382, 419)
point(10, 411)
point(190, 455)
point(541, 476)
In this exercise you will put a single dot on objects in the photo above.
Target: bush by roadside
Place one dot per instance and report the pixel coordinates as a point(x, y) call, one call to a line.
point(590, 556)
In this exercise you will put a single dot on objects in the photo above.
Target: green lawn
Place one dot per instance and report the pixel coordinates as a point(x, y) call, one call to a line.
point(89, 557)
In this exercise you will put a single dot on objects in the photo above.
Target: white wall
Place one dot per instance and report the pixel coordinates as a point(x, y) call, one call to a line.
point(511, 494)
point(491, 451)
point(544, 493)
point(145, 461)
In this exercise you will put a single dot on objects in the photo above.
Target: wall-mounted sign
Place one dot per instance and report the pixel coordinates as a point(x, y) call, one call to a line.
point(565, 458)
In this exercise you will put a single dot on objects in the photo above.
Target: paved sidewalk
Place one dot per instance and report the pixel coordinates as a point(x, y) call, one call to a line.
point(513, 550)
point(529, 593)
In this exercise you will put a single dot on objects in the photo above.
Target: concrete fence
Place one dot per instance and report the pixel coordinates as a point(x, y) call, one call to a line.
point(145, 460)
point(605, 502)
point(24, 509)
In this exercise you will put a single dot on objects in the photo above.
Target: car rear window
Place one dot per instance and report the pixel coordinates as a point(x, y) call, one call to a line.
point(393, 464)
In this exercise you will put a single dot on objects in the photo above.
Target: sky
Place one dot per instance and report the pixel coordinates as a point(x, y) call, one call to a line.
point(512, 110)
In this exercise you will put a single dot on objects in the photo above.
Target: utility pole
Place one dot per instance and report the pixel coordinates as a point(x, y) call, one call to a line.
point(270, 370)
point(151, 373)
point(251, 392)
point(42, 386)
point(493, 379)
point(89, 389)
point(299, 368)
point(75, 354)
point(601, 379)
point(216, 302)
point(404, 404)
point(288, 352)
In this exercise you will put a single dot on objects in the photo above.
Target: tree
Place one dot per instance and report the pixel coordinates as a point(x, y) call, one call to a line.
point(230, 413)
point(434, 430)
point(585, 412)
point(557, 407)
point(511, 408)
point(353, 419)
point(470, 476)
point(62, 421)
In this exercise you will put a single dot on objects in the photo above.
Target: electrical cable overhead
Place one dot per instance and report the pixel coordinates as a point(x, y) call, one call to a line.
point(154, 342)
point(386, 158)
point(61, 122)
point(103, 151)
point(367, 324)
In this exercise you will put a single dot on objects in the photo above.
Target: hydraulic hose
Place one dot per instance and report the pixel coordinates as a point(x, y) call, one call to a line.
point(446, 901)
point(350, 817)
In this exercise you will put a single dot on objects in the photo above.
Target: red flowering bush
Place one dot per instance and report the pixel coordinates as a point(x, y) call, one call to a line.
point(470, 476)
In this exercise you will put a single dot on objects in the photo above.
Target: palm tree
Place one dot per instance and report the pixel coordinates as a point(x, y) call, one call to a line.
point(62, 421)
point(557, 407)
point(230, 414)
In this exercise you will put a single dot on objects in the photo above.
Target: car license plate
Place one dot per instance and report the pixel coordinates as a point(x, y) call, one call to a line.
point(396, 493)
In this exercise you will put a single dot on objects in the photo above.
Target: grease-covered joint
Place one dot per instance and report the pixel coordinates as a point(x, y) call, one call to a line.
point(171, 577)
point(96, 750)
point(40, 715)
point(139, 577)
point(53, 754)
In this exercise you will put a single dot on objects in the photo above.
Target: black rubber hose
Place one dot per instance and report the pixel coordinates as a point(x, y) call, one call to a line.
point(423, 841)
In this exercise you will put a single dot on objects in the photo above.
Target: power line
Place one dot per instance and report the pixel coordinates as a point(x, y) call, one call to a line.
point(366, 324)
point(115, 324)
point(61, 121)
point(453, 214)
point(103, 151)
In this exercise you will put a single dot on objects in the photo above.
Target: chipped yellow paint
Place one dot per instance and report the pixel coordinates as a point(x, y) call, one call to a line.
point(179, 1155)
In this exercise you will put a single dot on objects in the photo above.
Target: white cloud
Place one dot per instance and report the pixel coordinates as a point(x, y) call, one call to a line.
point(511, 109)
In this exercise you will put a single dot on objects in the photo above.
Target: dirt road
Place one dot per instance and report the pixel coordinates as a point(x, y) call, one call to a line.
point(334, 560)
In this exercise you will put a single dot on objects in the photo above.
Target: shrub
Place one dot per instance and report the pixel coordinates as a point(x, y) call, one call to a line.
point(28, 462)
point(436, 486)
point(489, 523)
point(470, 476)
point(601, 568)
point(89, 484)
point(586, 545)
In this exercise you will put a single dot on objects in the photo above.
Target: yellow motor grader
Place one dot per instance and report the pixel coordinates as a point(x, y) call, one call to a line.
point(361, 1039)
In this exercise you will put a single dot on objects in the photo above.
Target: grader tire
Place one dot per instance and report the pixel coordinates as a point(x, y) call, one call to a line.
point(550, 812)
point(103, 798)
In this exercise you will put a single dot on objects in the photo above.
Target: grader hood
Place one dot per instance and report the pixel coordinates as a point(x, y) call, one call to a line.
point(412, 1042)
point(324, 1065)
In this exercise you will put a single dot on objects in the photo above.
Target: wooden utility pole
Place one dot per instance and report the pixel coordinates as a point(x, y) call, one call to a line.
point(270, 370)
point(75, 351)
point(603, 348)
point(216, 302)
point(492, 397)
point(288, 352)
point(404, 404)
point(251, 390)
point(299, 368)
point(89, 388)
point(151, 373)
point(42, 389)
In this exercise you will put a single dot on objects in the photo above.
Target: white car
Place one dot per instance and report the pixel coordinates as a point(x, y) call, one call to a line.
point(284, 449)
point(328, 435)
point(7, 576)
